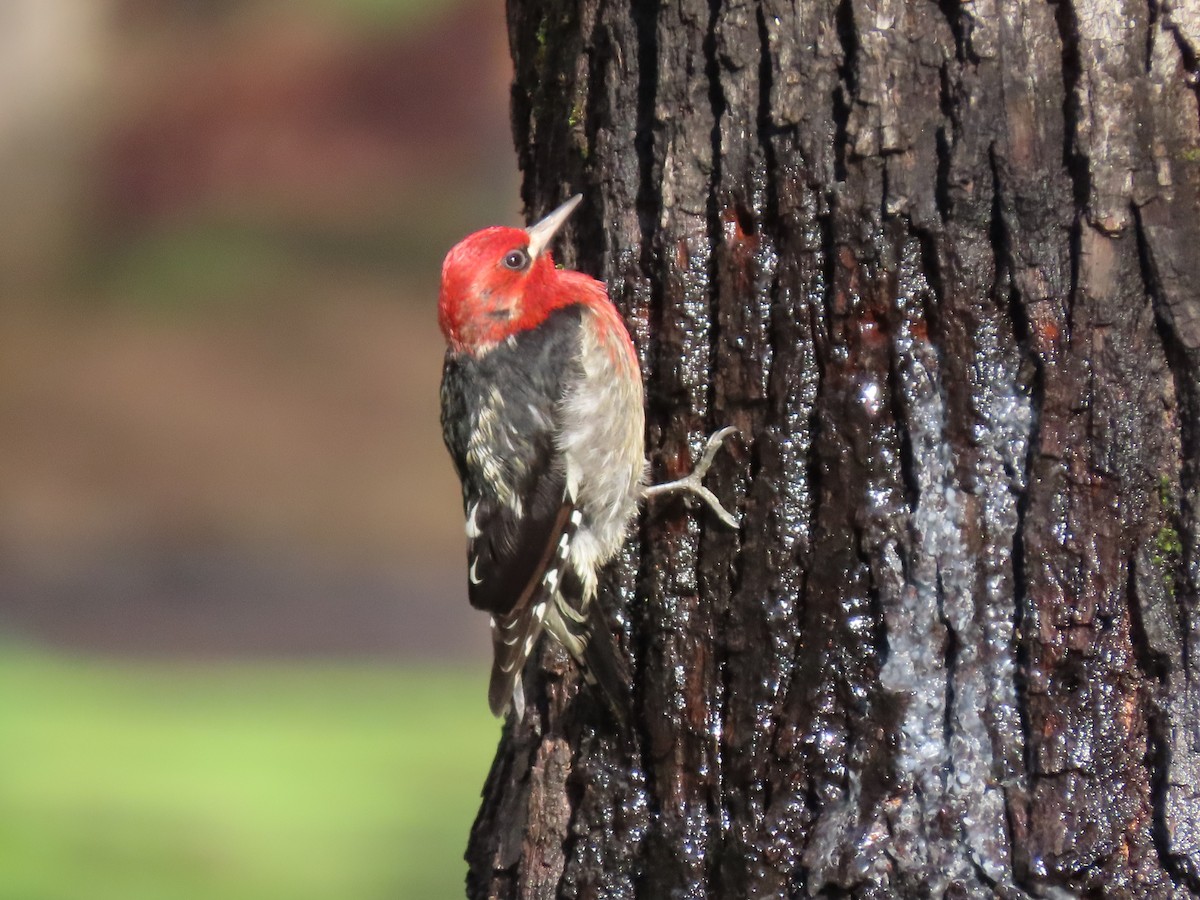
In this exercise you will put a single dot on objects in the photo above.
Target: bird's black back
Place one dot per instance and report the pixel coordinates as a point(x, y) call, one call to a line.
point(499, 415)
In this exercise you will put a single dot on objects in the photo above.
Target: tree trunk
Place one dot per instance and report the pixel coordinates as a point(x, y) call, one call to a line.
point(940, 264)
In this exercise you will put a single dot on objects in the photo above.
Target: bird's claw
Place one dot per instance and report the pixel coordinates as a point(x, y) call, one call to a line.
point(691, 483)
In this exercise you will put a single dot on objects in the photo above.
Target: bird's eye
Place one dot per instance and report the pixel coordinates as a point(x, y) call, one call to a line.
point(516, 260)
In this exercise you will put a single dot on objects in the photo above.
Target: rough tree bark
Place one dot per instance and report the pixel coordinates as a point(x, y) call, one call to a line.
point(940, 264)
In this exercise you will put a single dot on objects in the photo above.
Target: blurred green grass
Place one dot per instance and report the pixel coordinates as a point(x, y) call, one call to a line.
point(171, 781)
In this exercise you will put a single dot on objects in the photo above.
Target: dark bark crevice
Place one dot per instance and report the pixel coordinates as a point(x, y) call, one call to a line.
point(644, 14)
point(644, 18)
point(843, 98)
point(1074, 163)
point(766, 131)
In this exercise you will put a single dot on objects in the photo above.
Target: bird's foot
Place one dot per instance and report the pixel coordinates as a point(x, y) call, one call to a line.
point(690, 484)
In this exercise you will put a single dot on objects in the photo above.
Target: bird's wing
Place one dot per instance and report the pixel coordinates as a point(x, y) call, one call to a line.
point(516, 546)
point(515, 633)
point(509, 554)
point(500, 430)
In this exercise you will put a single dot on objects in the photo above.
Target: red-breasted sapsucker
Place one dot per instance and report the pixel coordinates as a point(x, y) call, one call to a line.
point(542, 413)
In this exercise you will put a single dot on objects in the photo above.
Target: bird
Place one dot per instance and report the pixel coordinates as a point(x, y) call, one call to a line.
point(542, 413)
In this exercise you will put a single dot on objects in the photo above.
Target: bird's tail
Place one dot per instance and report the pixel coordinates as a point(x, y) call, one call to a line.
point(513, 640)
point(588, 638)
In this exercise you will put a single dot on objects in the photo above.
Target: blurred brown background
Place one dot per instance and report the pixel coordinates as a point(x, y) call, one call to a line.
point(236, 657)
point(223, 224)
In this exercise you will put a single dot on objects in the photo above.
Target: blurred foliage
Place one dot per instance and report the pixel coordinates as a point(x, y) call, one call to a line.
point(171, 781)
point(216, 262)
point(196, 265)
point(246, 145)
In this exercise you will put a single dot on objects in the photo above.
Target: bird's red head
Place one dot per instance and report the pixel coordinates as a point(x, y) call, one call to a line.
point(499, 281)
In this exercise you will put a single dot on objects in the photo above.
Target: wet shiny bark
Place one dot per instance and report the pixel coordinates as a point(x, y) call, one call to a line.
point(941, 266)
